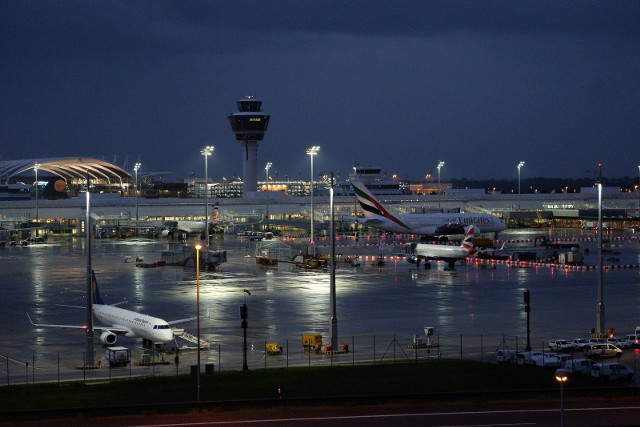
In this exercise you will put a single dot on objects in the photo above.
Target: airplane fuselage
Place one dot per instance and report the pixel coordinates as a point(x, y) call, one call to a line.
point(430, 224)
point(139, 325)
point(446, 252)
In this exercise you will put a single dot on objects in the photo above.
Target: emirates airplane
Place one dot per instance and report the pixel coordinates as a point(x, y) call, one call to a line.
point(118, 321)
point(431, 224)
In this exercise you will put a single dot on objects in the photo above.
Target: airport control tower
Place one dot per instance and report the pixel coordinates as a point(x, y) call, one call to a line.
point(249, 125)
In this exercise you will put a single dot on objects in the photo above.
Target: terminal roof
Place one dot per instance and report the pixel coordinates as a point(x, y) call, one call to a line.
point(68, 168)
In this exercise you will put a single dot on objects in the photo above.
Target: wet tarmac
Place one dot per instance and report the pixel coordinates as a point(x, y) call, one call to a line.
point(379, 308)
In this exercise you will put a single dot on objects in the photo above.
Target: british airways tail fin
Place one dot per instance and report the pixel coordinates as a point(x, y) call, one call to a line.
point(467, 243)
point(371, 208)
point(97, 299)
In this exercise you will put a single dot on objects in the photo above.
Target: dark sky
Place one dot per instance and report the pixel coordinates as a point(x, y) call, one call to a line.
point(397, 84)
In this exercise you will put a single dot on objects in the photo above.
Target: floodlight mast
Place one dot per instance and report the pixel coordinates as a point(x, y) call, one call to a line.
point(206, 152)
point(312, 151)
point(520, 165)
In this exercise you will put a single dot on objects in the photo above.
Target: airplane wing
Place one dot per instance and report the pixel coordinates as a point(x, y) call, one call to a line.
point(113, 328)
point(188, 319)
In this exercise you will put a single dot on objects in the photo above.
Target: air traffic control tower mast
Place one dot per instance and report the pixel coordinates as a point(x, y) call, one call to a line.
point(249, 125)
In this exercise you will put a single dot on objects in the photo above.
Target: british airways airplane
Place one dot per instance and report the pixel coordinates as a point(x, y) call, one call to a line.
point(450, 254)
point(433, 224)
point(118, 321)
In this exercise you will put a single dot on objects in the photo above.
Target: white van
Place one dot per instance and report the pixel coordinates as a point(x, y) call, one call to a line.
point(602, 350)
point(613, 371)
point(634, 339)
point(579, 366)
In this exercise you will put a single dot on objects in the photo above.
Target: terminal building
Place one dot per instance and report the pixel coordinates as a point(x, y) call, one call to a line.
point(47, 195)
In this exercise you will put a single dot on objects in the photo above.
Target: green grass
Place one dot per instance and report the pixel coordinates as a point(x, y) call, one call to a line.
point(441, 377)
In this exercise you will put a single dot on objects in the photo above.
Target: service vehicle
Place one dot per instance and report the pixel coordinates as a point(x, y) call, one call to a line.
point(562, 357)
point(273, 349)
point(312, 341)
point(611, 371)
point(579, 366)
point(538, 358)
point(118, 356)
point(602, 350)
point(634, 339)
point(560, 345)
point(506, 356)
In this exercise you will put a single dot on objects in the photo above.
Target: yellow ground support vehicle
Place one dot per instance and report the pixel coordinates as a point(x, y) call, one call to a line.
point(312, 341)
point(273, 348)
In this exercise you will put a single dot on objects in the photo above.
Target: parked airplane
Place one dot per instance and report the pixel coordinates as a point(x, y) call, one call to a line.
point(434, 224)
point(450, 254)
point(199, 227)
point(122, 322)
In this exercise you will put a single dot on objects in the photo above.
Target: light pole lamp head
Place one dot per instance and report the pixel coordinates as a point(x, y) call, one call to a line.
point(137, 166)
point(198, 246)
point(207, 151)
point(562, 375)
point(440, 164)
point(312, 151)
point(521, 164)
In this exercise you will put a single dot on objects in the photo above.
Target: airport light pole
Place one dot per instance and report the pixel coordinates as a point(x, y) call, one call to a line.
point(332, 280)
point(520, 165)
point(90, 349)
point(206, 152)
point(198, 247)
point(36, 167)
point(600, 307)
point(440, 165)
point(266, 173)
point(561, 377)
point(244, 315)
point(312, 151)
point(135, 169)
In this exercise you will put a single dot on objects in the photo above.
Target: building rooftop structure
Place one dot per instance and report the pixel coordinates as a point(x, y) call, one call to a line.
point(71, 169)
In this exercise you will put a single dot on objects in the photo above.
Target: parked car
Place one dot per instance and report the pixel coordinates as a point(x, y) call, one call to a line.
point(596, 341)
point(602, 350)
point(578, 343)
point(560, 345)
point(619, 342)
point(634, 339)
point(613, 371)
point(579, 366)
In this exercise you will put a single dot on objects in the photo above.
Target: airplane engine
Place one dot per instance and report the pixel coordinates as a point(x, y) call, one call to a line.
point(108, 338)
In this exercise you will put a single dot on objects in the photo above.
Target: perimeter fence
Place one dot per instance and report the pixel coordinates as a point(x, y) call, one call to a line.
point(270, 353)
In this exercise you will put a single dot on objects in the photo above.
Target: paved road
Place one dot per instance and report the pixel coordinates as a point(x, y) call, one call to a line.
point(583, 413)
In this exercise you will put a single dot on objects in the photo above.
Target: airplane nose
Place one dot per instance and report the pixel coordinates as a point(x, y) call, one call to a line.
point(167, 335)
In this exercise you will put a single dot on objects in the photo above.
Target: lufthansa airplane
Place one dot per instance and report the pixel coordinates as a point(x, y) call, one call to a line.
point(431, 224)
point(118, 321)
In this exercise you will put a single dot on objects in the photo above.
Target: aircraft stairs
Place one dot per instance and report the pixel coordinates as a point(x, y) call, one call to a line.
point(181, 333)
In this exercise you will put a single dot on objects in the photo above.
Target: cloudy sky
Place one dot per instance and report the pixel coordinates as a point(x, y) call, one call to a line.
point(397, 84)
